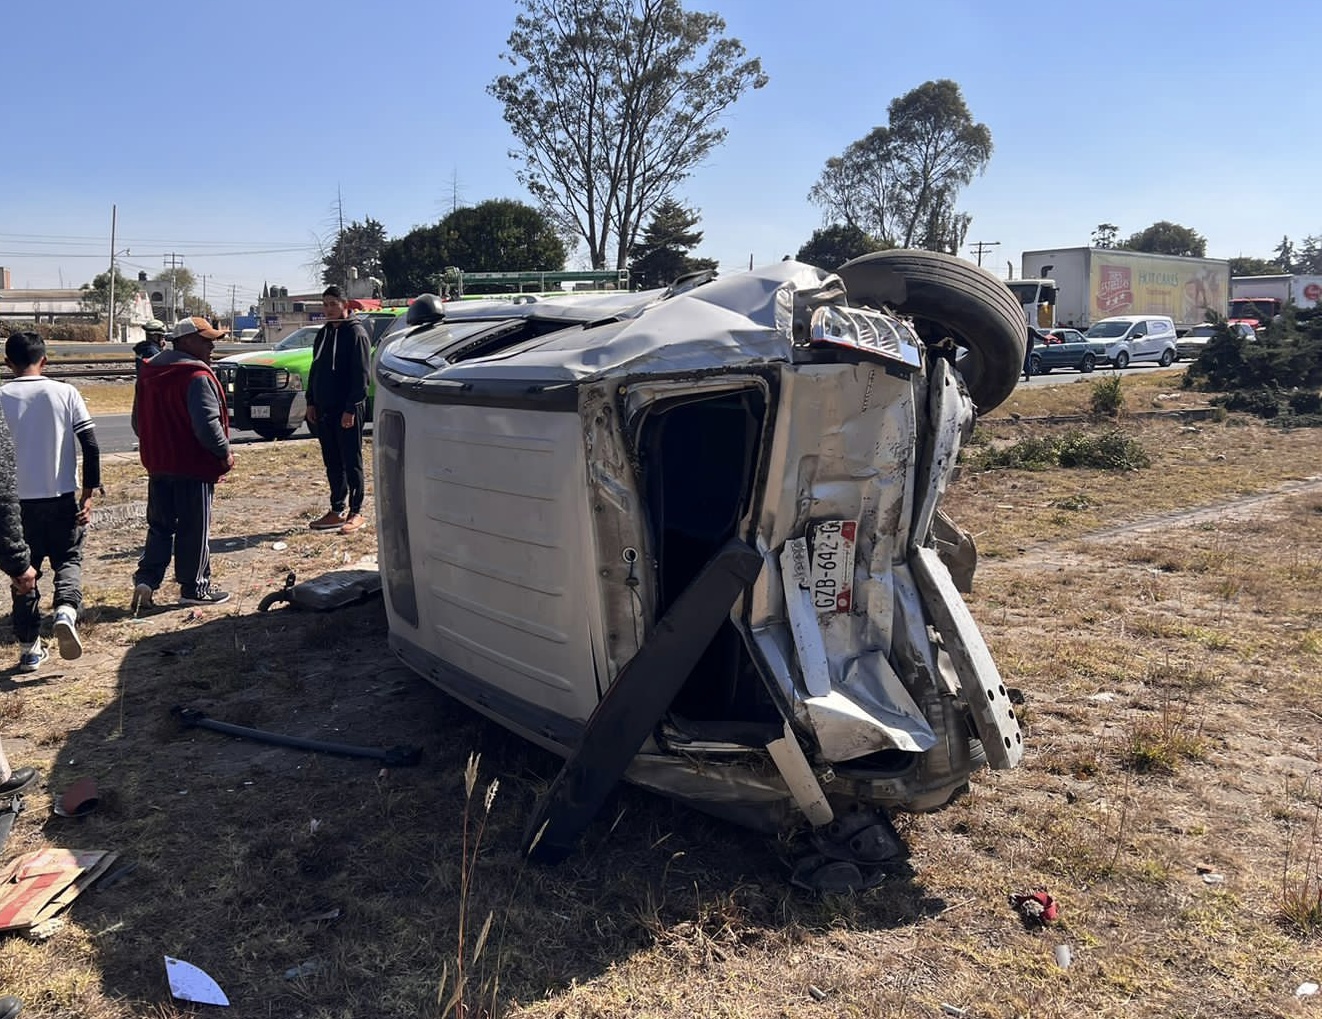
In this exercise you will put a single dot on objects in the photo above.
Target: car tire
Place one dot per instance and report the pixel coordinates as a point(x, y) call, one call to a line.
point(1089, 363)
point(947, 296)
point(1122, 360)
point(1034, 365)
point(273, 432)
point(1167, 358)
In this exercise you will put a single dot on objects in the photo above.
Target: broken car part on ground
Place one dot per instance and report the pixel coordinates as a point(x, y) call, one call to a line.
point(563, 488)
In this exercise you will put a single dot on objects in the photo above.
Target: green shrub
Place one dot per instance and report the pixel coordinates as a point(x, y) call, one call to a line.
point(1305, 401)
point(1109, 451)
point(1287, 357)
point(1107, 397)
point(74, 332)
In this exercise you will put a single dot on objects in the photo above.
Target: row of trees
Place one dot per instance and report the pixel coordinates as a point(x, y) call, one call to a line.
point(503, 235)
point(1166, 238)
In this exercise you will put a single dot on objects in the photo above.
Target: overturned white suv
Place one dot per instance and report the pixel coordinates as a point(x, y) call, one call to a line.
point(691, 538)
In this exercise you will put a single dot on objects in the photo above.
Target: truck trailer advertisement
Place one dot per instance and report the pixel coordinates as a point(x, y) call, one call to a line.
point(1078, 286)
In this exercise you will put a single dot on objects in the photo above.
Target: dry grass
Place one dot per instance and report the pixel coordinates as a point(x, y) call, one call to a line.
point(107, 397)
point(1156, 390)
point(1198, 641)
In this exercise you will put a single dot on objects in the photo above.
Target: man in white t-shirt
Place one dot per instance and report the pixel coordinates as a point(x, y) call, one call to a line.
point(46, 418)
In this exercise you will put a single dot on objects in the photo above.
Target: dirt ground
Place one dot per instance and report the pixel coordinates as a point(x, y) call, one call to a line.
point(1169, 798)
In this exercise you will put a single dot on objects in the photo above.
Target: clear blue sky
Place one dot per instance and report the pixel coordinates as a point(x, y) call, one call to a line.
point(223, 131)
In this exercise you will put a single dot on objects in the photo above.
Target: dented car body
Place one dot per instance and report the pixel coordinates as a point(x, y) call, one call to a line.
point(561, 483)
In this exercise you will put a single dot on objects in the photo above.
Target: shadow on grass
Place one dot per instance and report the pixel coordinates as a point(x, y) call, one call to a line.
point(252, 859)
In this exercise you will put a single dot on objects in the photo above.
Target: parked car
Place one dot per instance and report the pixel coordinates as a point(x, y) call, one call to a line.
point(1066, 348)
point(692, 537)
point(248, 336)
point(1130, 338)
point(1191, 344)
point(265, 390)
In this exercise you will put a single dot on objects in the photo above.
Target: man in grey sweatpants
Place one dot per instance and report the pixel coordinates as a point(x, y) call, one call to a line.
point(182, 425)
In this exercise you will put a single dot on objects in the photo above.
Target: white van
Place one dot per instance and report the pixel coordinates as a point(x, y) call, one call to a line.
point(1136, 338)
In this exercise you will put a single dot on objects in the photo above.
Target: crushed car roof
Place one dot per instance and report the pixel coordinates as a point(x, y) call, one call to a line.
point(746, 318)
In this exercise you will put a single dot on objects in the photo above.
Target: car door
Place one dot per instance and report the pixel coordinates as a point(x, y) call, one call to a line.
point(1141, 341)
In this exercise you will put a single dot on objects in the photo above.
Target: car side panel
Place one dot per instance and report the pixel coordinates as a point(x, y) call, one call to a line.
point(501, 551)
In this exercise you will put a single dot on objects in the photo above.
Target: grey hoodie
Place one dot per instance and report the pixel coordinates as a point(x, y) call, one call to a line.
point(14, 555)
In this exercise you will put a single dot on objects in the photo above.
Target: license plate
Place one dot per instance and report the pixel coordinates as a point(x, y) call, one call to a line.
point(832, 572)
point(260, 412)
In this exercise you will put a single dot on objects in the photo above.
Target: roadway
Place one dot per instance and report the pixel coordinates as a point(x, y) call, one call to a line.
point(114, 434)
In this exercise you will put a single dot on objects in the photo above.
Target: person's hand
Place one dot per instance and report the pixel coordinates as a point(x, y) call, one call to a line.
point(229, 461)
point(311, 414)
point(26, 582)
point(347, 419)
point(85, 508)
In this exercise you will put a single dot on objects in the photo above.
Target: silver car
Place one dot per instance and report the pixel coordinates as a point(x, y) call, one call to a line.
point(692, 538)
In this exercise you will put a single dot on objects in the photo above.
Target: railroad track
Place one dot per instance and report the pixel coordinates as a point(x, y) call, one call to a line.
point(117, 370)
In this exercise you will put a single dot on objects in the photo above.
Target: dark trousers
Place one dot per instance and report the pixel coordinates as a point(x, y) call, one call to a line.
point(52, 531)
point(178, 527)
point(342, 453)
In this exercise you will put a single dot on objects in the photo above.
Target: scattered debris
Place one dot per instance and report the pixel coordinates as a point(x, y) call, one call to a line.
point(1035, 907)
point(395, 757)
point(37, 885)
point(79, 799)
point(1105, 697)
point(116, 876)
point(305, 969)
point(1306, 990)
point(1213, 879)
point(816, 993)
point(954, 1010)
point(280, 546)
point(8, 815)
point(334, 590)
point(1064, 956)
point(188, 983)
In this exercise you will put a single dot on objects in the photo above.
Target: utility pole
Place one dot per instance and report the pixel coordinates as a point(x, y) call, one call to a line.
point(173, 261)
point(110, 316)
point(981, 248)
point(233, 288)
point(203, 276)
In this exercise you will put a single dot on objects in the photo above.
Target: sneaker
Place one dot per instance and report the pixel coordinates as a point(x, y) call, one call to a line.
point(354, 522)
point(30, 656)
point(142, 598)
point(332, 521)
point(208, 597)
point(66, 632)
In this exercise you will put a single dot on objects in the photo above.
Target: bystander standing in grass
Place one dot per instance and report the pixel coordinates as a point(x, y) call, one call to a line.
point(46, 417)
point(182, 424)
point(337, 405)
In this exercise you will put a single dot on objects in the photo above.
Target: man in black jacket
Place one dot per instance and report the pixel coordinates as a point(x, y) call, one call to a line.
point(337, 404)
point(16, 561)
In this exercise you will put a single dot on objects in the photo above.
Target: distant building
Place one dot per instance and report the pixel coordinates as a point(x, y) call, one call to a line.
point(49, 306)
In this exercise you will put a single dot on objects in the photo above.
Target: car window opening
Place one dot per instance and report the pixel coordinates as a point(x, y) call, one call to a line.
point(698, 460)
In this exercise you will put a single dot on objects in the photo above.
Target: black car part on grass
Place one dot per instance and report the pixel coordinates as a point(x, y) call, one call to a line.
point(335, 590)
point(8, 815)
point(395, 757)
point(636, 701)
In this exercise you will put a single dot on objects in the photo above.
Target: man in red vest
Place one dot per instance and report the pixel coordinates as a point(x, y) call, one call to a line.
point(182, 425)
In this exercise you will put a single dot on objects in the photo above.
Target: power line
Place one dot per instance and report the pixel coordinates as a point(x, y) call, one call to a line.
point(981, 248)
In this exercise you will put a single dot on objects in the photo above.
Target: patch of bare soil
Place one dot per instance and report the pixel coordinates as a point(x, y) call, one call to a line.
point(1172, 774)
